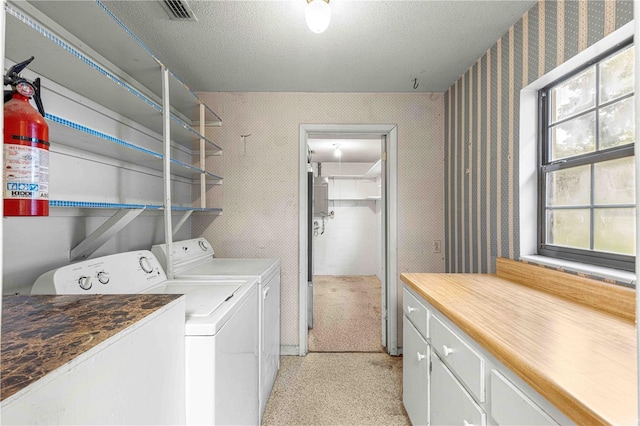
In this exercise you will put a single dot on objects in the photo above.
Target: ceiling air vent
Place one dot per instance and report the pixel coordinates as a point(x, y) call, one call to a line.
point(178, 10)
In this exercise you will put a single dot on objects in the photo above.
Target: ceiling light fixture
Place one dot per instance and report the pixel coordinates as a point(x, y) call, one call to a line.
point(318, 15)
point(337, 152)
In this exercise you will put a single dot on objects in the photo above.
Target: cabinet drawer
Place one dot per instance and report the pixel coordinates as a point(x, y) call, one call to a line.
point(467, 364)
point(451, 404)
point(510, 406)
point(416, 312)
point(415, 374)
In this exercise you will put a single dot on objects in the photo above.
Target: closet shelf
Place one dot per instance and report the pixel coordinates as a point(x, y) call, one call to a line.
point(369, 198)
point(60, 62)
point(127, 206)
point(112, 82)
point(69, 133)
point(182, 97)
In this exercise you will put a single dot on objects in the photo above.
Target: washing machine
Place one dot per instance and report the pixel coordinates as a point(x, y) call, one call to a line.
point(221, 329)
point(195, 259)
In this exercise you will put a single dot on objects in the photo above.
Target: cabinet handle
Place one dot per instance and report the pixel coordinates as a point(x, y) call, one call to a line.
point(446, 351)
point(410, 309)
point(421, 356)
point(266, 291)
point(466, 423)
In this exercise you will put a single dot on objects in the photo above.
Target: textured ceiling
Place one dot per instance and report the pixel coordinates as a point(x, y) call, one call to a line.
point(370, 46)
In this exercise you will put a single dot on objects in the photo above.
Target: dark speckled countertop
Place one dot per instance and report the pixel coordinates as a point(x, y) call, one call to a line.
point(42, 333)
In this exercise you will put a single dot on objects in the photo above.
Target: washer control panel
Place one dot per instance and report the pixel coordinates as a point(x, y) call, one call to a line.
point(185, 254)
point(130, 272)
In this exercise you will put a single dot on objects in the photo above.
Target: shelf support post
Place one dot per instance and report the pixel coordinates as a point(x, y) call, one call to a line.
point(166, 167)
point(203, 160)
point(104, 233)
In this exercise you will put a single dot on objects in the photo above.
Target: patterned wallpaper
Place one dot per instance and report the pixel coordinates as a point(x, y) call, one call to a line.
point(481, 125)
point(259, 195)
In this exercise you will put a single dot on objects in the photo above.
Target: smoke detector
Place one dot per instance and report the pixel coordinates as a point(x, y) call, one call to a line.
point(178, 10)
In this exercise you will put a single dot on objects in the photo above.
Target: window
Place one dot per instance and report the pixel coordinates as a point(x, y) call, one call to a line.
point(586, 169)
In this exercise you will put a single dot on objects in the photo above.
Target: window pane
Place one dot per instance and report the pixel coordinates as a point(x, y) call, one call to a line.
point(573, 137)
point(589, 200)
point(574, 95)
point(616, 124)
point(614, 182)
point(615, 230)
point(616, 75)
point(569, 187)
point(569, 228)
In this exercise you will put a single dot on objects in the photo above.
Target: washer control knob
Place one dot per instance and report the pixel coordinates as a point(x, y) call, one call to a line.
point(203, 245)
point(145, 264)
point(103, 277)
point(85, 282)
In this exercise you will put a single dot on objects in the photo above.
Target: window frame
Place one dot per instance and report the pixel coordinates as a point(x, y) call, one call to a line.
point(545, 165)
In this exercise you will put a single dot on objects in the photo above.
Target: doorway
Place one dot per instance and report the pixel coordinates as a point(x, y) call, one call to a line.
point(382, 203)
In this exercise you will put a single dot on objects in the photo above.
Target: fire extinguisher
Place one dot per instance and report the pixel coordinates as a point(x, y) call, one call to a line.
point(26, 147)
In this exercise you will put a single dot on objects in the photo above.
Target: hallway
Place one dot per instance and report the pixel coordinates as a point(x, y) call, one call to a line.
point(347, 378)
point(347, 314)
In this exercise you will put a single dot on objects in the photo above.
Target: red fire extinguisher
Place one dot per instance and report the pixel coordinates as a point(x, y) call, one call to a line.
point(26, 147)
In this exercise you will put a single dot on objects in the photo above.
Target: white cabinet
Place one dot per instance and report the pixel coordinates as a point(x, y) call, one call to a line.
point(464, 385)
point(125, 132)
point(466, 363)
point(509, 405)
point(416, 312)
point(135, 377)
point(451, 404)
point(415, 359)
point(457, 378)
point(415, 374)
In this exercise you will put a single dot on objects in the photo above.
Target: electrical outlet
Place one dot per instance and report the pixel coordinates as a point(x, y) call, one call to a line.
point(437, 246)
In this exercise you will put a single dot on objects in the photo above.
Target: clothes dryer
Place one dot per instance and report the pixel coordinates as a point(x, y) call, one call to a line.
point(195, 260)
point(221, 329)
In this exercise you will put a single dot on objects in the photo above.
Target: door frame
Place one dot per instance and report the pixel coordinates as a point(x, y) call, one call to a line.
point(391, 279)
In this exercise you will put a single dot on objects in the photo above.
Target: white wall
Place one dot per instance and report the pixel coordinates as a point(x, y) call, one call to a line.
point(348, 241)
point(260, 191)
point(348, 245)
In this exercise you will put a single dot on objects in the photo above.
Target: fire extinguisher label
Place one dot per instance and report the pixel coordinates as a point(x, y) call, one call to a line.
point(26, 172)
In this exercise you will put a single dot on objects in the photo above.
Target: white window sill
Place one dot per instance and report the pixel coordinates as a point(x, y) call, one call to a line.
point(624, 277)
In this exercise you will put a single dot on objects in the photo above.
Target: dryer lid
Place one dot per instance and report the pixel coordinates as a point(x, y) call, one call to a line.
point(218, 268)
point(202, 300)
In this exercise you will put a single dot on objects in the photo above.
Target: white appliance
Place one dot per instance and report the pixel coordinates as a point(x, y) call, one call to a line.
point(194, 259)
point(221, 329)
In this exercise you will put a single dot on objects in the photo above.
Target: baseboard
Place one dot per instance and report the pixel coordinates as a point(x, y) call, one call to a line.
point(294, 350)
point(289, 350)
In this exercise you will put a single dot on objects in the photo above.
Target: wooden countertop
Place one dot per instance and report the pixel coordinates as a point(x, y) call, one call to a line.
point(42, 333)
point(580, 359)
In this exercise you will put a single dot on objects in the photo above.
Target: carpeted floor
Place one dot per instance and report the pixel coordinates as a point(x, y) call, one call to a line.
point(347, 378)
point(347, 314)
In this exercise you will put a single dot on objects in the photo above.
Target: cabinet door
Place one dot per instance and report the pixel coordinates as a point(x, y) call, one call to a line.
point(415, 374)
point(451, 404)
point(509, 405)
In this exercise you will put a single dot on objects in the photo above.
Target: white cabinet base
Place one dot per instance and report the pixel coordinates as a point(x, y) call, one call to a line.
point(135, 377)
point(415, 374)
point(451, 404)
point(465, 385)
